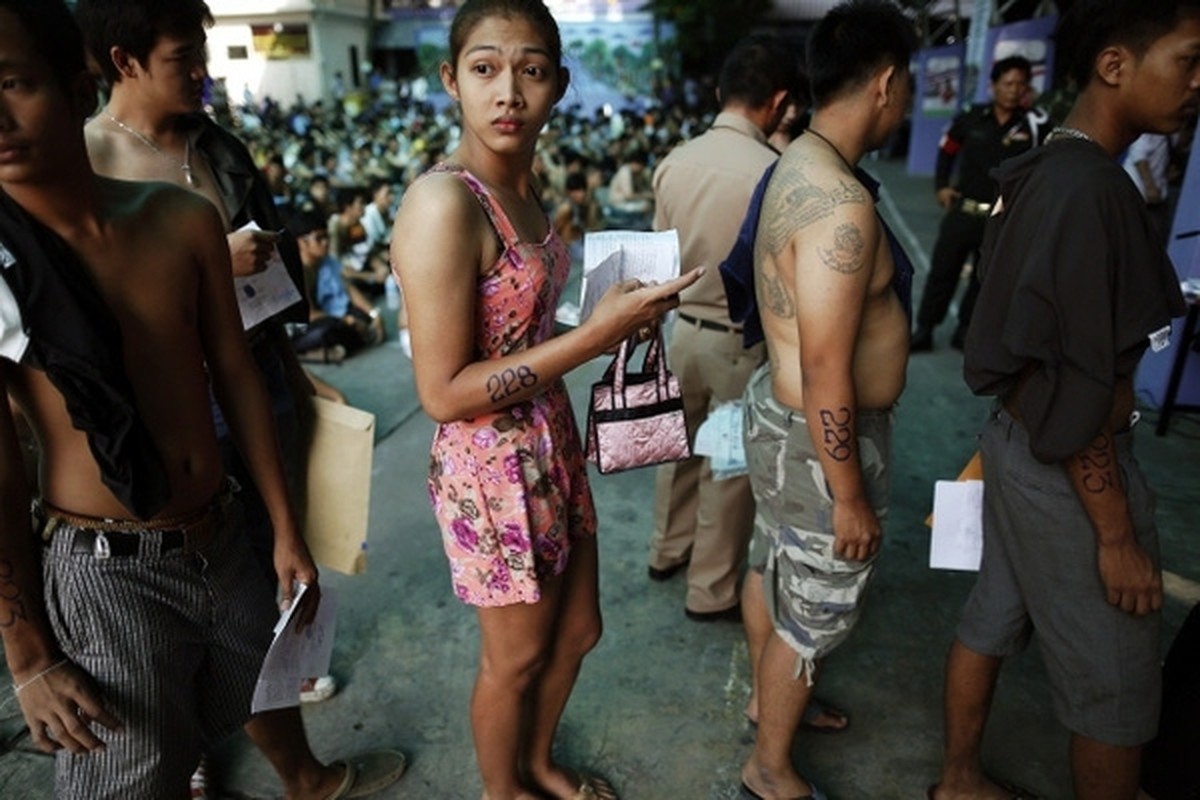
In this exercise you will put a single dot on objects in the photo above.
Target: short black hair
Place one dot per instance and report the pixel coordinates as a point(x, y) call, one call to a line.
point(54, 35)
point(576, 181)
point(1089, 26)
point(757, 68)
point(853, 40)
point(1012, 62)
point(135, 26)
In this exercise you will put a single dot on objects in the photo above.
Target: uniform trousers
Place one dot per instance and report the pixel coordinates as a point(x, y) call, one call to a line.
point(959, 238)
point(693, 513)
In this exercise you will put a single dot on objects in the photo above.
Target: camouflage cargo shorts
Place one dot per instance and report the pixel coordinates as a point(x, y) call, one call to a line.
point(813, 597)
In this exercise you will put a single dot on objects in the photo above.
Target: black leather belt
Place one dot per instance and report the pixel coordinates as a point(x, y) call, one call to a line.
point(708, 324)
point(105, 538)
point(116, 544)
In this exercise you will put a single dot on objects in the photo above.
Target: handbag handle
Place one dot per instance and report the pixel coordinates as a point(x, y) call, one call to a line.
point(653, 361)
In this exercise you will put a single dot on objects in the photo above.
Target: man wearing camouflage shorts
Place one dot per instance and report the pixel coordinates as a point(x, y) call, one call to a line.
point(833, 291)
point(812, 596)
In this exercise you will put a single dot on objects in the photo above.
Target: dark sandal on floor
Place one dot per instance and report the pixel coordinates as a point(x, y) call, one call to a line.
point(814, 793)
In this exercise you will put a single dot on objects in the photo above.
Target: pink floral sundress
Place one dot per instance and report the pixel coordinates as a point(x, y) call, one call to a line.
point(509, 488)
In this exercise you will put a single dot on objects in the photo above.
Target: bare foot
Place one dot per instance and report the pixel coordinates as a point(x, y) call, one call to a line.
point(770, 786)
point(980, 789)
point(331, 779)
point(819, 717)
point(563, 784)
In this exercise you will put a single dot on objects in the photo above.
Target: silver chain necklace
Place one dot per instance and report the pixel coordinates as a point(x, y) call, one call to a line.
point(1063, 132)
point(186, 166)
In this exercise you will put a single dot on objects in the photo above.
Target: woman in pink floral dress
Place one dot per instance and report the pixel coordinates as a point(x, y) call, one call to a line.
point(481, 270)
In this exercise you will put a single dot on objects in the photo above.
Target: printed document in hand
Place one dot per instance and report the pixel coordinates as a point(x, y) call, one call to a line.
point(264, 294)
point(294, 656)
point(613, 256)
point(957, 541)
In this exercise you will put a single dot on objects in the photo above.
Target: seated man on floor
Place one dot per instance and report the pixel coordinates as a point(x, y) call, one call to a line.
point(341, 316)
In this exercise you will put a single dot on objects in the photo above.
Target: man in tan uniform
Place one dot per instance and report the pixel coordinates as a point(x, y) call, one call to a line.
point(833, 289)
point(702, 189)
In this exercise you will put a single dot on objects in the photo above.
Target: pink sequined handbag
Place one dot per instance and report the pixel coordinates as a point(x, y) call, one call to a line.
point(636, 418)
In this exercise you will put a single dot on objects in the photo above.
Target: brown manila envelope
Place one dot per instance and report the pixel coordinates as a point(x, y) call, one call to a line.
point(338, 486)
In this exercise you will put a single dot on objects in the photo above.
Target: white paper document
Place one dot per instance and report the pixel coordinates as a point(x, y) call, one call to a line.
point(294, 656)
point(264, 294)
point(957, 541)
point(720, 438)
point(613, 256)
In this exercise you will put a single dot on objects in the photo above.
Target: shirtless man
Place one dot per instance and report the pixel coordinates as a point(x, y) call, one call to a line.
point(818, 414)
point(1075, 287)
point(145, 642)
point(153, 129)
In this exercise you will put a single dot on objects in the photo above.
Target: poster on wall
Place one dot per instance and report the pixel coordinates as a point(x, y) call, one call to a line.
point(941, 84)
point(939, 91)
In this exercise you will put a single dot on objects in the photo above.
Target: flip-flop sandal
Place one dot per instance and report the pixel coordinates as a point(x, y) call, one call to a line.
point(370, 772)
point(815, 708)
point(1017, 792)
point(593, 787)
point(814, 793)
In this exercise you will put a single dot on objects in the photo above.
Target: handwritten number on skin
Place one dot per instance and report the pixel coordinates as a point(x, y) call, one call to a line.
point(1096, 461)
point(836, 433)
point(10, 592)
point(503, 385)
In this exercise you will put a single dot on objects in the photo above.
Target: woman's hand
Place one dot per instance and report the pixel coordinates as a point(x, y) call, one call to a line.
point(630, 306)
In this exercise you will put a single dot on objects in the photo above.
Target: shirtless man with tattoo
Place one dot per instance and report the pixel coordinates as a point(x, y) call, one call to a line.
point(832, 294)
point(133, 624)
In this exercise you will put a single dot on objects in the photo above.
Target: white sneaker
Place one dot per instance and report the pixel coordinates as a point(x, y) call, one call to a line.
point(405, 342)
point(322, 688)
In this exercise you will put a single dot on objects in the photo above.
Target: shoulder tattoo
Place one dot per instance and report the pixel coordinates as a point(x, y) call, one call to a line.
point(797, 202)
point(846, 254)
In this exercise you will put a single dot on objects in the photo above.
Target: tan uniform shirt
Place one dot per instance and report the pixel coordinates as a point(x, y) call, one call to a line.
point(703, 189)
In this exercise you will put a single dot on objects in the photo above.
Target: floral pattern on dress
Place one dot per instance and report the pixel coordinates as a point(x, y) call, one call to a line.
point(509, 488)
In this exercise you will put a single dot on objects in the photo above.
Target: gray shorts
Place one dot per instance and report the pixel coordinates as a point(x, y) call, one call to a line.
point(1039, 574)
point(813, 597)
point(174, 640)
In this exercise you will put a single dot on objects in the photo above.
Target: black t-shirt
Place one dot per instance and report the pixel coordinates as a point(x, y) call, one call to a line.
point(1074, 284)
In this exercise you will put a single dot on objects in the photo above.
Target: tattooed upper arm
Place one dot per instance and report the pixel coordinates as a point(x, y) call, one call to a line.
point(846, 254)
point(795, 202)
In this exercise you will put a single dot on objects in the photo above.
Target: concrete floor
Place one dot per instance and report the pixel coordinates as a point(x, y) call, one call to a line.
point(658, 707)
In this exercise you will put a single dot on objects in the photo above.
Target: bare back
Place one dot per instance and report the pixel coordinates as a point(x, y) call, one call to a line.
point(823, 276)
point(160, 263)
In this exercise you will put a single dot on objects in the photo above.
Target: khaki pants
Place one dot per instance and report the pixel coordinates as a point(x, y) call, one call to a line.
point(692, 512)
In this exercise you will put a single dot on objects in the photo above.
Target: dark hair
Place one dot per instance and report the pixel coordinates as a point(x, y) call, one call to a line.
point(575, 181)
point(346, 196)
point(473, 12)
point(135, 26)
point(852, 41)
point(54, 35)
point(1008, 64)
point(305, 222)
point(757, 68)
point(1089, 26)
